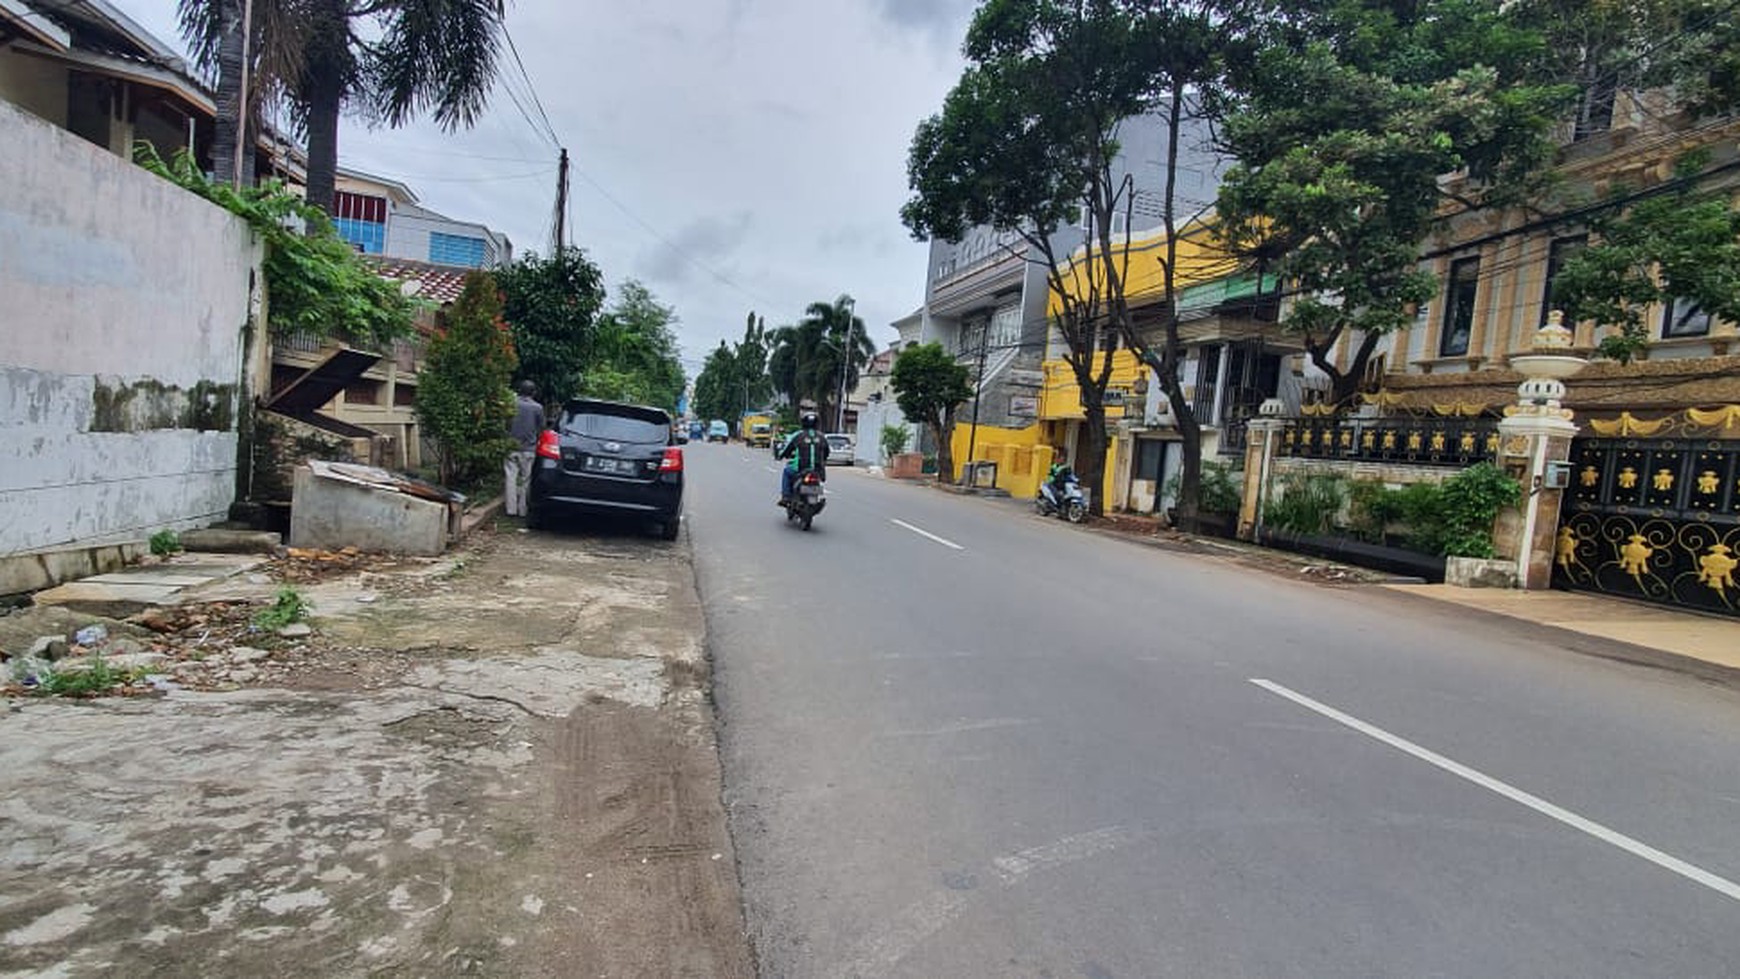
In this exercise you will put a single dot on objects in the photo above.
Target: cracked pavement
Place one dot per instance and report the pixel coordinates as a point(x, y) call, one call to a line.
point(530, 787)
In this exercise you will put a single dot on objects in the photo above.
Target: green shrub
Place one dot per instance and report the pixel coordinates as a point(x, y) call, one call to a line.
point(1221, 489)
point(1469, 503)
point(1307, 503)
point(289, 607)
point(894, 439)
point(165, 543)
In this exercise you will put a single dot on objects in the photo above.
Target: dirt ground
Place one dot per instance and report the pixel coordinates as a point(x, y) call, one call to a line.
point(500, 763)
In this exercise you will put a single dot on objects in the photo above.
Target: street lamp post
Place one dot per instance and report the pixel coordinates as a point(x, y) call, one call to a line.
point(845, 361)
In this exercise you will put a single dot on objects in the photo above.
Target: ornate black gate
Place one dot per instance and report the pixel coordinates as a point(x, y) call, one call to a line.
point(1653, 511)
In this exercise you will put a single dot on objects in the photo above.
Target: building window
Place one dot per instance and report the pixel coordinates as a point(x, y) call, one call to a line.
point(1459, 307)
point(1684, 318)
point(1207, 382)
point(368, 237)
point(1561, 251)
point(362, 391)
point(361, 219)
point(455, 250)
point(404, 395)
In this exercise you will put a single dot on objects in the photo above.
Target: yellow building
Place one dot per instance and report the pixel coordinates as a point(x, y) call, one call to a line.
point(1233, 360)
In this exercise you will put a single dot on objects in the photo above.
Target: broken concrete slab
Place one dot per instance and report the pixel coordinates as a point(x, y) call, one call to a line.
point(223, 541)
point(20, 630)
point(332, 512)
point(124, 593)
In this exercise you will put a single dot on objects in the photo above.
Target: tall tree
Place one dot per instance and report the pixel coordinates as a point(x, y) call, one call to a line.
point(395, 59)
point(810, 358)
point(928, 385)
point(1679, 245)
point(716, 386)
point(272, 52)
point(634, 355)
point(463, 397)
point(1343, 127)
point(1026, 143)
point(552, 304)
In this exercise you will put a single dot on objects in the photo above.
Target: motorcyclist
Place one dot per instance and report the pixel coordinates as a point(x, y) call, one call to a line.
point(1058, 477)
point(807, 450)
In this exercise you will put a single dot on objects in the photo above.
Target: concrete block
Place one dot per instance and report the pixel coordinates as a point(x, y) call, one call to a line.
point(1473, 572)
point(334, 514)
point(214, 540)
point(36, 570)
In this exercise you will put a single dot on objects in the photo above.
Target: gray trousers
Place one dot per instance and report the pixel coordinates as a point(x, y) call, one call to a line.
point(517, 475)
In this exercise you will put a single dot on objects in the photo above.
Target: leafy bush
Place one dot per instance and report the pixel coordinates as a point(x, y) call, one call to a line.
point(894, 439)
point(165, 543)
point(1451, 519)
point(1221, 490)
point(463, 399)
point(289, 607)
point(315, 282)
point(1469, 502)
point(1308, 503)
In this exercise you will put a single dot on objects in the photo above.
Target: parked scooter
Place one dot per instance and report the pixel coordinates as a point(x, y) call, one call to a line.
point(808, 498)
point(1072, 506)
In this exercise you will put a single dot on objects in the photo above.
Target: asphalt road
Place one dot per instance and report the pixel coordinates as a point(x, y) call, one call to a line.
point(960, 740)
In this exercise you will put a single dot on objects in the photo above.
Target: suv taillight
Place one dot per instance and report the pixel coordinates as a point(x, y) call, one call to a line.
point(672, 461)
point(548, 448)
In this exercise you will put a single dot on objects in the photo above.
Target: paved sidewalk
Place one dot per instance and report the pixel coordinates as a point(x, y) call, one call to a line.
point(1685, 634)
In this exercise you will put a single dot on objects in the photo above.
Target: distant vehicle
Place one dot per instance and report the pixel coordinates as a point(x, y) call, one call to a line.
point(839, 449)
point(608, 457)
point(680, 432)
point(757, 430)
point(697, 431)
point(718, 431)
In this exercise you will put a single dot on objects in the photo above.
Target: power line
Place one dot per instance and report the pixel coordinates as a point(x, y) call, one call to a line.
point(673, 246)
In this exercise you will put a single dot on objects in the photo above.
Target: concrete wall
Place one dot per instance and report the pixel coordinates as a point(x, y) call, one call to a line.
point(121, 327)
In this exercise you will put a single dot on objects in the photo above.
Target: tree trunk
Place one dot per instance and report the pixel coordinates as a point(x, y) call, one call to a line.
point(942, 429)
point(1091, 457)
point(226, 129)
point(323, 112)
point(325, 64)
point(1189, 502)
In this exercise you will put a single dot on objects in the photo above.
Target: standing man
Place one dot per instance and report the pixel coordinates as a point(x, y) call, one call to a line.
point(527, 425)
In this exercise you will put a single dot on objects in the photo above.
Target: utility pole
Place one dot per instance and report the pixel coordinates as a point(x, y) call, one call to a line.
point(978, 386)
point(561, 203)
point(845, 362)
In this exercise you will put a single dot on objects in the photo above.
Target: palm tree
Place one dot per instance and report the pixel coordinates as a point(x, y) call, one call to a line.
point(808, 358)
point(213, 29)
point(436, 56)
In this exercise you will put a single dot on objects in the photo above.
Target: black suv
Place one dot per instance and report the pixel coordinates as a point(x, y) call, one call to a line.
point(605, 457)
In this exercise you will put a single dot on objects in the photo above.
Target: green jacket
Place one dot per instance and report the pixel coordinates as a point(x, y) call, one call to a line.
point(805, 453)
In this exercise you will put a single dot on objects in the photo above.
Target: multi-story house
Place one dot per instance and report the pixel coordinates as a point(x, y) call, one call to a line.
point(1651, 503)
point(988, 299)
point(381, 216)
point(90, 69)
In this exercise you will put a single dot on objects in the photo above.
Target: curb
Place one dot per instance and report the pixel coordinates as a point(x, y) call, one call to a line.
point(1588, 644)
point(470, 520)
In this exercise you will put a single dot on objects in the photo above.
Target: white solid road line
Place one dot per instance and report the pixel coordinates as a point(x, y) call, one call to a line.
point(1720, 885)
point(926, 534)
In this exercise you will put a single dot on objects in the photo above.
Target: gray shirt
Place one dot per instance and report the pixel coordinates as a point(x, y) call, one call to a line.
point(528, 423)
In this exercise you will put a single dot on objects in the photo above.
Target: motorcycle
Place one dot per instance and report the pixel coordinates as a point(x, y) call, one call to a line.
point(1073, 505)
point(808, 498)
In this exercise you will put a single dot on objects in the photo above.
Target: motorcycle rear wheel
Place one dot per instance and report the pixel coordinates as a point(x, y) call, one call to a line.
point(1076, 512)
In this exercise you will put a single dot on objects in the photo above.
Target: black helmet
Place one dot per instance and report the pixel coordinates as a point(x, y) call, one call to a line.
point(809, 420)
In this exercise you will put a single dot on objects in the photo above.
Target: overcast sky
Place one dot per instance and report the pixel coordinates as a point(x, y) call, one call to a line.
point(731, 154)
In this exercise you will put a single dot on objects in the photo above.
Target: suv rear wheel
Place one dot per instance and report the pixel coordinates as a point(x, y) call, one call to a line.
point(668, 529)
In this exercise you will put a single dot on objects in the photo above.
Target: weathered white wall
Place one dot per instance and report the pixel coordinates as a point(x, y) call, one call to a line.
point(123, 300)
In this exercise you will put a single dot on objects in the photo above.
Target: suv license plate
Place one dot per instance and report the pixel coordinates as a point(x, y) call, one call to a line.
point(614, 467)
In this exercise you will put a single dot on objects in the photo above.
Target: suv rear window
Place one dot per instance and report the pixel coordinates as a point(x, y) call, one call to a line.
point(615, 428)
